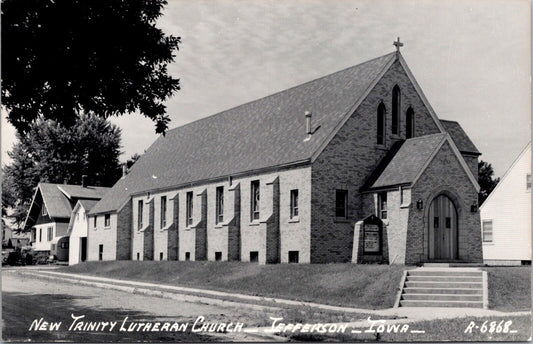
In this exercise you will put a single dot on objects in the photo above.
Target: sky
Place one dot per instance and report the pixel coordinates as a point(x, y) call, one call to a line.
point(470, 57)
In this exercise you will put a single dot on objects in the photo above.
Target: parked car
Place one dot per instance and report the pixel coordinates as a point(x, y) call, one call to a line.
point(15, 258)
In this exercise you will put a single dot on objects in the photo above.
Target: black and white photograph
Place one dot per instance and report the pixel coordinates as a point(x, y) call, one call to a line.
point(266, 171)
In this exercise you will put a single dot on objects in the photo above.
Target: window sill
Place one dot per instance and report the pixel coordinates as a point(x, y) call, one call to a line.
point(165, 228)
point(341, 220)
point(295, 219)
point(385, 221)
point(108, 227)
point(407, 205)
point(255, 223)
point(491, 243)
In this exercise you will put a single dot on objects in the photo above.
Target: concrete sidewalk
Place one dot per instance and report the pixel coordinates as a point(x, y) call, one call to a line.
point(404, 314)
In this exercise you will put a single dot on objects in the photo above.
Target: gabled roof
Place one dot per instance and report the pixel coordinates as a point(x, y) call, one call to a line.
point(462, 141)
point(87, 204)
point(56, 200)
point(57, 205)
point(87, 192)
point(266, 133)
point(407, 161)
point(404, 165)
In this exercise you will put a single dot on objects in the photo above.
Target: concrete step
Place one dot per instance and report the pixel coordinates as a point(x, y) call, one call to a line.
point(442, 272)
point(444, 284)
point(420, 303)
point(472, 291)
point(443, 297)
point(475, 279)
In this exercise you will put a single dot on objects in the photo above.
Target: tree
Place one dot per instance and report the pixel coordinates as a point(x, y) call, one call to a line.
point(62, 58)
point(132, 160)
point(49, 152)
point(486, 181)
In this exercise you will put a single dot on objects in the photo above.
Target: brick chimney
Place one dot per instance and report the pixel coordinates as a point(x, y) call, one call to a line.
point(308, 116)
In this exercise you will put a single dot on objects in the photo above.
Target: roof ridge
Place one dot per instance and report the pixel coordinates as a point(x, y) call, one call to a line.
point(278, 92)
point(448, 120)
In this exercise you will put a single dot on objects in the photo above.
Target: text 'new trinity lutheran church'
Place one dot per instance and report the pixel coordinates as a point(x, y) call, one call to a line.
point(353, 166)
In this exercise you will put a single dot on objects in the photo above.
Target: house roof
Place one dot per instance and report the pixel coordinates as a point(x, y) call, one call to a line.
point(269, 132)
point(57, 205)
point(87, 192)
point(56, 199)
point(87, 204)
point(406, 161)
point(459, 137)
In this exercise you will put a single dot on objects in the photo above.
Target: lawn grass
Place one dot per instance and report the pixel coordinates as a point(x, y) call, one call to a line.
point(350, 285)
point(509, 288)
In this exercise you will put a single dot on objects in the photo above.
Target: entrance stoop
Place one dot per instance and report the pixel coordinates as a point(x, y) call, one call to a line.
point(442, 286)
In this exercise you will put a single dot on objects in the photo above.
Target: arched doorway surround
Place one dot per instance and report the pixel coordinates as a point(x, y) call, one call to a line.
point(442, 225)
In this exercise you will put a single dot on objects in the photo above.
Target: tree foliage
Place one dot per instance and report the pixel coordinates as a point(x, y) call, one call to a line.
point(62, 58)
point(486, 180)
point(49, 152)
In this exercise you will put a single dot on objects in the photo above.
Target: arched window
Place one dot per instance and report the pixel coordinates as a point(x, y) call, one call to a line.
point(396, 110)
point(381, 124)
point(409, 123)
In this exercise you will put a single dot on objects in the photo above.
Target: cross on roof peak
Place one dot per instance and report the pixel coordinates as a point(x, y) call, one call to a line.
point(397, 44)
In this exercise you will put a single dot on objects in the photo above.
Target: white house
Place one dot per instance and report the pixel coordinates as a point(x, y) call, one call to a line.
point(77, 231)
point(506, 216)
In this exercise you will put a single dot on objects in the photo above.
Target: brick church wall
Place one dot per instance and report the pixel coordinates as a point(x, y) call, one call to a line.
point(123, 229)
point(444, 174)
point(351, 157)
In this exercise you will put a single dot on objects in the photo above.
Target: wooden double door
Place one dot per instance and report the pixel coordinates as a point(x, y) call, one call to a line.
point(442, 229)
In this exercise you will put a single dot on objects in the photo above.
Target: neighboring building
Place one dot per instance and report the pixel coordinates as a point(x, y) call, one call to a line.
point(270, 182)
point(506, 216)
point(77, 231)
point(12, 237)
point(50, 212)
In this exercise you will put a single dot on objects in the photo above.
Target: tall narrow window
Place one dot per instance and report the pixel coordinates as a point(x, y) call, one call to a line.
point(140, 215)
point(188, 209)
point(40, 234)
point(487, 231)
point(528, 181)
point(255, 200)
point(381, 124)
point(396, 106)
point(382, 202)
point(44, 210)
point(219, 205)
point(163, 214)
point(50, 233)
point(341, 201)
point(294, 203)
point(409, 123)
point(94, 221)
point(107, 220)
point(100, 252)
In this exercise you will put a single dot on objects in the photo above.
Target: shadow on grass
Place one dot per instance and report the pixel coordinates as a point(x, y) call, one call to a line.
point(19, 310)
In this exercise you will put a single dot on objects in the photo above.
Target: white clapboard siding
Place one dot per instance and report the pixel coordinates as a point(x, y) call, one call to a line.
point(509, 208)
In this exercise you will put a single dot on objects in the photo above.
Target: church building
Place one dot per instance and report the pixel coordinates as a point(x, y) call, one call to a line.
point(352, 167)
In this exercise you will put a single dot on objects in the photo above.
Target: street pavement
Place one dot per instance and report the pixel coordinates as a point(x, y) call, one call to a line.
point(26, 298)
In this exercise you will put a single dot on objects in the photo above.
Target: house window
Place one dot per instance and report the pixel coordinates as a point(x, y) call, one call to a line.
point(94, 222)
point(219, 217)
point(140, 215)
point(100, 252)
point(160, 255)
point(188, 215)
point(40, 234)
point(254, 256)
point(381, 124)
point(163, 214)
point(218, 256)
point(138, 256)
point(410, 123)
point(255, 200)
point(487, 231)
point(382, 205)
point(107, 220)
point(50, 233)
point(396, 105)
point(341, 201)
point(187, 256)
point(294, 256)
point(528, 181)
point(44, 212)
point(294, 203)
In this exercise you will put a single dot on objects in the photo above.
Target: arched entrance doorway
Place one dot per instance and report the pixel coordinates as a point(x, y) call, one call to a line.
point(442, 229)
